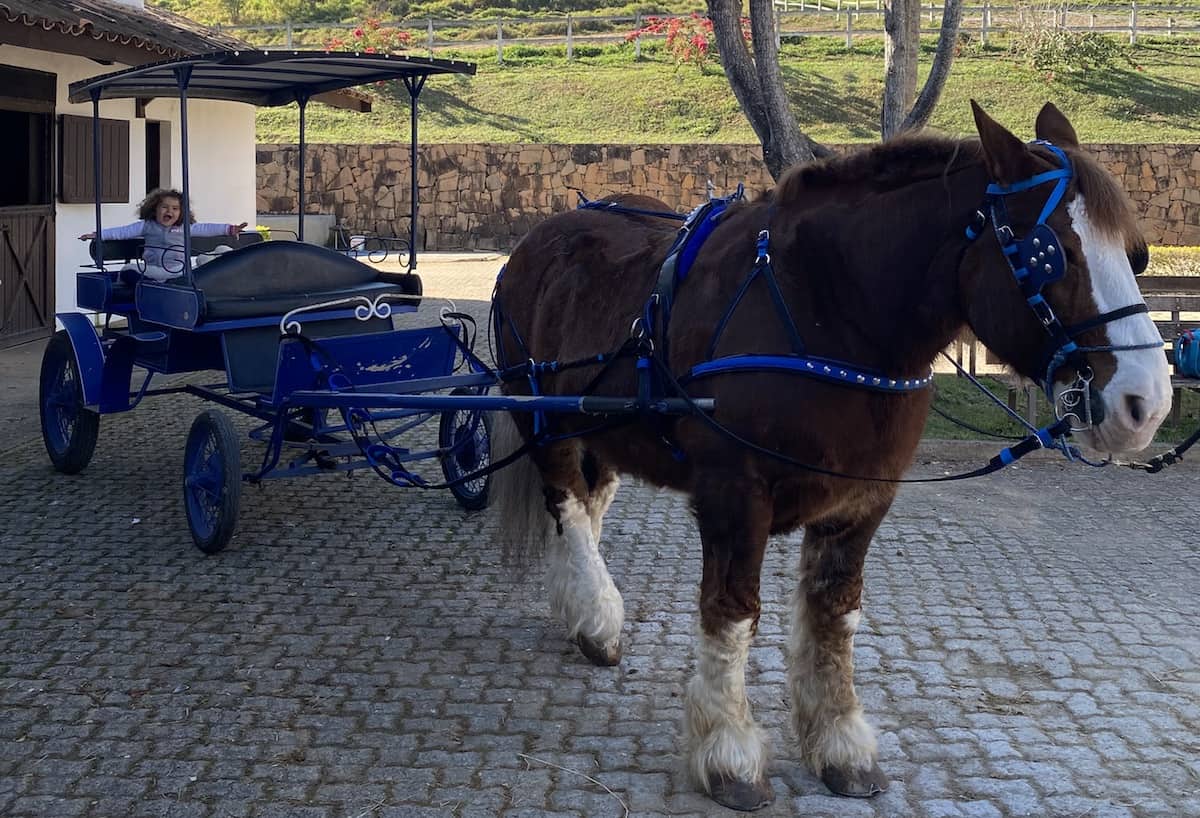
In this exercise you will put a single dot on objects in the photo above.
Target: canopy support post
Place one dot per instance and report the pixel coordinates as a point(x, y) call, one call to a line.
point(414, 86)
point(183, 75)
point(301, 100)
point(97, 179)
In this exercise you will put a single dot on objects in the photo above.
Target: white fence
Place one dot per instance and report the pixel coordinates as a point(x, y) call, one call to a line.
point(794, 18)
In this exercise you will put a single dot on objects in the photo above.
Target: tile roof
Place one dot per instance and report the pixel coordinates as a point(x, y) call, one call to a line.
point(158, 31)
point(161, 33)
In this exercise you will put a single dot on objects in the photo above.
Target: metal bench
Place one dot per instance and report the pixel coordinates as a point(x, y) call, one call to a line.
point(1174, 303)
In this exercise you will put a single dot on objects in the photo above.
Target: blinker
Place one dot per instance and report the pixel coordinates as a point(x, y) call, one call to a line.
point(1039, 250)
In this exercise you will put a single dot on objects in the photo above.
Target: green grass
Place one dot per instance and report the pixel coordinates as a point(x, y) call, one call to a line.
point(958, 398)
point(604, 96)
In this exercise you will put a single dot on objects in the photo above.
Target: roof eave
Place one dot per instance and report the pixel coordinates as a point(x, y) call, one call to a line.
point(346, 100)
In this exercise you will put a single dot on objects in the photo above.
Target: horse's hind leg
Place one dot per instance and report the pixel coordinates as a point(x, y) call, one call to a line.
point(582, 593)
point(726, 750)
point(835, 739)
point(603, 483)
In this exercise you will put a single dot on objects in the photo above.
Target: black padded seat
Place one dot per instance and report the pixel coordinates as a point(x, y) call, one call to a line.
point(277, 276)
point(130, 250)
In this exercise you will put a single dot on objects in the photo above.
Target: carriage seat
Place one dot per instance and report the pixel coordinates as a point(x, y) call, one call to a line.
point(277, 276)
point(130, 251)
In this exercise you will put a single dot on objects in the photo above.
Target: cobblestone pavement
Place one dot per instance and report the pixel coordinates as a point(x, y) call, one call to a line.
point(1029, 648)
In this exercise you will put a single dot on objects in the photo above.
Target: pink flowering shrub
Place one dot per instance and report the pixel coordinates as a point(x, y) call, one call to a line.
point(689, 39)
point(371, 37)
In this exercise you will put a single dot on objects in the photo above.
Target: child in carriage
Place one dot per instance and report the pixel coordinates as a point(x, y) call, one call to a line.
point(161, 226)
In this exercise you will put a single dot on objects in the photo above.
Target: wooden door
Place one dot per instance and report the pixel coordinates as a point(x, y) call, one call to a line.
point(26, 273)
point(26, 204)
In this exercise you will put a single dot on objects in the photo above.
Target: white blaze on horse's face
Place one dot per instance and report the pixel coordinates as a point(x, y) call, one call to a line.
point(1138, 397)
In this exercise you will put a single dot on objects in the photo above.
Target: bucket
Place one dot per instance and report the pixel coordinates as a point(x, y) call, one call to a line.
point(1187, 354)
point(358, 243)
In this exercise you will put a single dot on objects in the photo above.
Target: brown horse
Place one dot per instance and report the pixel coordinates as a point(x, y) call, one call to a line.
point(875, 263)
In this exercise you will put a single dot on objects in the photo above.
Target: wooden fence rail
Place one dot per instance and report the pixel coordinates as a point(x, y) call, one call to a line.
point(794, 19)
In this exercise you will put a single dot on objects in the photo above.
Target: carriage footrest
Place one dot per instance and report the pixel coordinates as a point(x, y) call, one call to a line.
point(149, 343)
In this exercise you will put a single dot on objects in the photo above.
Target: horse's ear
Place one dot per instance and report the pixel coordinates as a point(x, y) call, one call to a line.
point(1053, 126)
point(1007, 158)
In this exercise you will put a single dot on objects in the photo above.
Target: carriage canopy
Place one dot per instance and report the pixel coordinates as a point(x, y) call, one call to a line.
point(263, 78)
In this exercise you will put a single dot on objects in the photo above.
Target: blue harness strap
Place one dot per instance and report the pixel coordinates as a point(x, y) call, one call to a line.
point(704, 221)
point(797, 362)
point(699, 226)
point(828, 370)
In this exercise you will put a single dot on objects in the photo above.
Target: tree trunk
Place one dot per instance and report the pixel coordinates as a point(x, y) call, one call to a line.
point(739, 67)
point(757, 80)
point(758, 84)
point(942, 60)
point(902, 41)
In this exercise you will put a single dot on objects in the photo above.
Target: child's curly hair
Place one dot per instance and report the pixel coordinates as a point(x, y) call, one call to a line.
point(149, 206)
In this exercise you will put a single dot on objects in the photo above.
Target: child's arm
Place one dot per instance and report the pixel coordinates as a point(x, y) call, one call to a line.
point(206, 229)
point(125, 231)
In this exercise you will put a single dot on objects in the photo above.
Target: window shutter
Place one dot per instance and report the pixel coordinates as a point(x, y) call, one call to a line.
point(76, 174)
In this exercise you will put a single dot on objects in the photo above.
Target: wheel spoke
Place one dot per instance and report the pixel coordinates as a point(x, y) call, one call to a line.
point(205, 473)
point(471, 451)
point(62, 403)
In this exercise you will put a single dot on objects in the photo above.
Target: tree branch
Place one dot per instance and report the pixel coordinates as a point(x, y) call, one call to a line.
point(739, 68)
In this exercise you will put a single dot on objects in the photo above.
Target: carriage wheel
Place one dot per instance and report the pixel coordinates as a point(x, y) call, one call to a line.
point(212, 480)
point(68, 429)
point(465, 436)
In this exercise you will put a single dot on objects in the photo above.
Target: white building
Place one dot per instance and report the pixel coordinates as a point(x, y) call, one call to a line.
point(46, 168)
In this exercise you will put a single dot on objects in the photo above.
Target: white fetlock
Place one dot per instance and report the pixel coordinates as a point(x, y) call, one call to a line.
point(721, 736)
point(582, 594)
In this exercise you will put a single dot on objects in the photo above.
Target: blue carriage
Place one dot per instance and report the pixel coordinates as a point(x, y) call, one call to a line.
point(291, 329)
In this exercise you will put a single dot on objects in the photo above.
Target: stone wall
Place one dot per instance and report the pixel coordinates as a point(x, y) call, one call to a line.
point(1164, 183)
point(486, 196)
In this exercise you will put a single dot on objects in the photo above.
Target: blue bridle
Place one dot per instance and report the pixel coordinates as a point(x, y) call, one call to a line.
point(1038, 260)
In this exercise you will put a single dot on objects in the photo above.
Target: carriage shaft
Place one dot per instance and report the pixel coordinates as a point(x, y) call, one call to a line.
point(578, 404)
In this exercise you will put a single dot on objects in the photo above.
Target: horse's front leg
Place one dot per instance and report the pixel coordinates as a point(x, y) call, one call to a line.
point(726, 750)
point(835, 739)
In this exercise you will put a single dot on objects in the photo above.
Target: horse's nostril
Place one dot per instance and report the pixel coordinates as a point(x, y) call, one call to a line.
point(1137, 409)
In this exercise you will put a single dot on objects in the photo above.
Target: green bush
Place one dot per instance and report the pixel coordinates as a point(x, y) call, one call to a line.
point(1054, 49)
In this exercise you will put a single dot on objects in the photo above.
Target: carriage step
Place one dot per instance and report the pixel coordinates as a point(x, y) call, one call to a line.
point(148, 343)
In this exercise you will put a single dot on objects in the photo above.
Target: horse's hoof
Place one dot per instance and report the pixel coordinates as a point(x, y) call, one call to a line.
point(607, 654)
point(746, 796)
point(855, 783)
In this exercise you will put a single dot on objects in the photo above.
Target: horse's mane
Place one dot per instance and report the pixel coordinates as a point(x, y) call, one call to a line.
point(909, 158)
point(885, 166)
point(1108, 206)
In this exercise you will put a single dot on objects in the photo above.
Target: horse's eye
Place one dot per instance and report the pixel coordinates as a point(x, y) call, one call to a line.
point(1139, 259)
